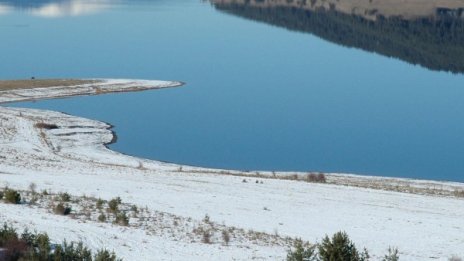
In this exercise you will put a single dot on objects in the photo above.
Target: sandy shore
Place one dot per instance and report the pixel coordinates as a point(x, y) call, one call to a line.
point(64, 153)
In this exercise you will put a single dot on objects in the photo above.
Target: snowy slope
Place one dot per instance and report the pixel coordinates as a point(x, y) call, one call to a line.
point(72, 158)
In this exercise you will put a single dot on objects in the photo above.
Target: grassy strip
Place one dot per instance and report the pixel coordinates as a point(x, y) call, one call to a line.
point(42, 83)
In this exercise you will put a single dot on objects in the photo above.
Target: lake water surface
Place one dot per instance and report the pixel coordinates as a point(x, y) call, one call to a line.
point(269, 87)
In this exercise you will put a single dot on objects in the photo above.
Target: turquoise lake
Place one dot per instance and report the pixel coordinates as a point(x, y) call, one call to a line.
point(267, 88)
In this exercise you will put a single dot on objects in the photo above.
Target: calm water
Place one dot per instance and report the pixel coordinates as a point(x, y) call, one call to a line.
point(267, 88)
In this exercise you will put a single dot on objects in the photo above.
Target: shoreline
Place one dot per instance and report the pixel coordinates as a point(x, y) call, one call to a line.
point(64, 153)
point(92, 87)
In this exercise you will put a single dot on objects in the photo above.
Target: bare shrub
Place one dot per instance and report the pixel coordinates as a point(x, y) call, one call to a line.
point(206, 237)
point(32, 188)
point(226, 237)
point(459, 193)
point(316, 178)
point(207, 219)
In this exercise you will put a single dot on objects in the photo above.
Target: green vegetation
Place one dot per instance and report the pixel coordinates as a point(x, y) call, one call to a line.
point(340, 247)
point(37, 247)
point(113, 205)
point(337, 248)
point(302, 252)
point(11, 196)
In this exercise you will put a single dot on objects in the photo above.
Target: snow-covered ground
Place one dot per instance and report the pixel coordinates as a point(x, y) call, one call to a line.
point(67, 154)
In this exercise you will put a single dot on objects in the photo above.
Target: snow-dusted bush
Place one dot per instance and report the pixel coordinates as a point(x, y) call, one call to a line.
point(392, 255)
point(302, 252)
point(12, 196)
point(340, 247)
point(65, 197)
point(206, 237)
point(121, 219)
point(225, 237)
point(33, 246)
point(102, 217)
point(105, 255)
point(113, 205)
point(61, 209)
point(99, 203)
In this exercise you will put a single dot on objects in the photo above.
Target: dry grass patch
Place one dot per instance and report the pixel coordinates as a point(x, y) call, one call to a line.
point(34, 83)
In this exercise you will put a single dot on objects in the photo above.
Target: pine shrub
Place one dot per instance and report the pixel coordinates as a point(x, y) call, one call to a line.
point(113, 205)
point(340, 247)
point(105, 255)
point(122, 219)
point(99, 203)
point(392, 255)
point(302, 252)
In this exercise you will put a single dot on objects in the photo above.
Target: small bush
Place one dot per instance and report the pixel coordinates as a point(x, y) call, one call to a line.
point(340, 247)
point(225, 237)
point(32, 187)
point(293, 177)
point(455, 258)
point(113, 205)
point(99, 203)
point(122, 219)
point(105, 255)
point(102, 217)
point(459, 193)
point(134, 209)
point(302, 252)
point(206, 237)
point(65, 197)
point(316, 178)
point(207, 219)
point(1, 195)
point(7, 233)
point(392, 255)
point(61, 209)
point(72, 251)
point(12, 196)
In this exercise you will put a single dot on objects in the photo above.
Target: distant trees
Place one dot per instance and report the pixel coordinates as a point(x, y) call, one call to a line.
point(434, 43)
